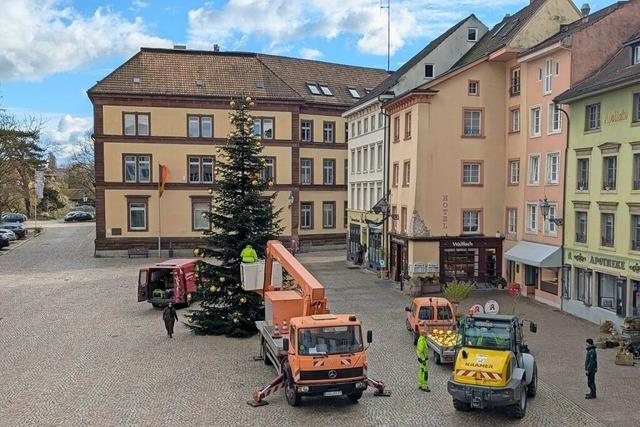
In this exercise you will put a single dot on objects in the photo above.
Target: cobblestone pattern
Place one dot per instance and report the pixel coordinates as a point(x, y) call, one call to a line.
point(77, 349)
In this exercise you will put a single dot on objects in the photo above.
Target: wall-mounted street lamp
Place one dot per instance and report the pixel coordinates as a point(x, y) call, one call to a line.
point(291, 199)
point(545, 206)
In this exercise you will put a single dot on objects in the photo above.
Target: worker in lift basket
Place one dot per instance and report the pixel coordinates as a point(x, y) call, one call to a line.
point(422, 350)
point(249, 255)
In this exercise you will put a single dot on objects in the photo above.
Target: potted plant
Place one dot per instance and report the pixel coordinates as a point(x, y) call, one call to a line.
point(501, 282)
point(606, 326)
point(601, 342)
point(457, 291)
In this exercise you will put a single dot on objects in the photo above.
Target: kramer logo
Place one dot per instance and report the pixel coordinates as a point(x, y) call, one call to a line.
point(480, 358)
point(332, 374)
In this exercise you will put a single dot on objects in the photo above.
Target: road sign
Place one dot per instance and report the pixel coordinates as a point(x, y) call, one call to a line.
point(39, 178)
point(477, 309)
point(491, 307)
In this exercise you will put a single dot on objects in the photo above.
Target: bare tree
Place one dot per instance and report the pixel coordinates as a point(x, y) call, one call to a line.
point(81, 173)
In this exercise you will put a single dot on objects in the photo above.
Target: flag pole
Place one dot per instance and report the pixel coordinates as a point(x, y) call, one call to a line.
point(159, 224)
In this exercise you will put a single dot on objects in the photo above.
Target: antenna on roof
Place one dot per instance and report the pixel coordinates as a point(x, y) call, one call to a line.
point(388, 7)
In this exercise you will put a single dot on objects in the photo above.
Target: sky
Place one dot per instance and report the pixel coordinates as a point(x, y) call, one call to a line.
point(53, 51)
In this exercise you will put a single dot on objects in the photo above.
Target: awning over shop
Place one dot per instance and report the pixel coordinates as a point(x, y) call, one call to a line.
point(535, 254)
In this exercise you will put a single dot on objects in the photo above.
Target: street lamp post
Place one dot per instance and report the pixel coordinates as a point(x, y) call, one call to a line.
point(545, 206)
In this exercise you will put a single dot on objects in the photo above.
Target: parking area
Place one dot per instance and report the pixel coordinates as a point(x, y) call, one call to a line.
point(78, 349)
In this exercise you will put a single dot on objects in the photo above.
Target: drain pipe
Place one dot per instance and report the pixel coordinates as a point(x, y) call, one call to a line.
point(564, 202)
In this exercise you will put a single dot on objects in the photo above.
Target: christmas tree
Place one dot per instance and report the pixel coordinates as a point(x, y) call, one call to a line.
point(241, 214)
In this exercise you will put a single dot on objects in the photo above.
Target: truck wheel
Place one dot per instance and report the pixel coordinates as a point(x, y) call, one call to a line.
point(354, 397)
point(532, 388)
point(519, 409)
point(415, 337)
point(293, 398)
point(461, 406)
point(436, 358)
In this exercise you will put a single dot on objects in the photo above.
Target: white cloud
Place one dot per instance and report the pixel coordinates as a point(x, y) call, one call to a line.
point(283, 21)
point(40, 37)
point(309, 53)
point(139, 4)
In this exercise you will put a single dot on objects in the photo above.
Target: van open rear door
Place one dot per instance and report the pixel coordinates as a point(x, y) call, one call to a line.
point(143, 285)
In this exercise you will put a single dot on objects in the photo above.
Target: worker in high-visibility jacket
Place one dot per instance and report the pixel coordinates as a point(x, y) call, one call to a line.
point(422, 350)
point(249, 254)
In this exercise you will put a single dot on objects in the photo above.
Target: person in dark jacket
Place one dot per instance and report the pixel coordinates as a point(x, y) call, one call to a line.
point(591, 367)
point(170, 317)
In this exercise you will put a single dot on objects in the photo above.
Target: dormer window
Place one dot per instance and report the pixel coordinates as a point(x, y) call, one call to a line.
point(325, 90)
point(428, 71)
point(199, 83)
point(636, 54)
point(313, 88)
point(353, 91)
point(368, 90)
point(472, 34)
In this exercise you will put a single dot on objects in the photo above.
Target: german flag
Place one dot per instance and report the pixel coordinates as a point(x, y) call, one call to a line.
point(164, 177)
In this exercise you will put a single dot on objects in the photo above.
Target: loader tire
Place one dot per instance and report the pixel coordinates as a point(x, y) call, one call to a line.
point(532, 388)
point(459, 405)
point(519, 410)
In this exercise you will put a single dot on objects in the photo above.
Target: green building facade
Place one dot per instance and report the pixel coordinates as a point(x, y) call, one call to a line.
point(602, 198)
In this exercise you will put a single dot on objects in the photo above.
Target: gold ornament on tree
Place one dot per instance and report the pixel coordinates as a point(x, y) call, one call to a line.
point(197, 251)
point(213, 288)
point(243, 300)
point(236, 320)
point(222, 279)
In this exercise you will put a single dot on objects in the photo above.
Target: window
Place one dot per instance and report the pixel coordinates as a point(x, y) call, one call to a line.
point(136, 124)
point(534, 169)
point(553, 168)
point(394, 218)
point(306, 215)
point(592, 120)
point(555, 118)
point(346, 171)
point(515, 120)
point(380, 120)
point(535, 122)
point(581, 227)
point(353, 130)
point(583, 285)
point(532, 217)
point(636, 54)
point(474, 88)
point(403, 220)
point(635, 232)
point(472, 34)
point(372, 159)
point(328, 134)
point(365, 159)
point(379, 156)
point(359, 161)
point(200, 126)
point(359, 197)
point(428, 71)
point(407, 125)
point(354, 92)
point(268, 172)
point(557, 68)
point(396, 129)
point(472, 123)
point(328, 171)
point(607, 291)
point(200, 169)
point(328, 214)
point(636, 108)
point(609, 173)
point(550, 229)
point(353, 162)
point(372, 195)
point(137, 168)
point(313, 88)
point(366, 124)
point(607, 229)
point(396, 173)
point(353, 197)
point(325, 90)
point(263, 127)
point(406, 174)
point(539, 74)
point(548, 73)
point(306, 171)
point(359, 127)
point(515, 81)
point(199, 210)
point(471, 173)
point(636, 171)
point(583, 175)
point(137, 215)
point(379, 192)
point(470, 221)
point(512, 221)
point(514, 172)
point(346, 132)
point(373, 122)
point(306, 131)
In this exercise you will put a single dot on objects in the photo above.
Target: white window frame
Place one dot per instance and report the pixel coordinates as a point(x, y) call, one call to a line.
point(328, 215)
point(353, 92)
point(550, 228)
point(472, 118)
point(530, 170)
point(554, 119)
point(433, 71)
point(550, 179)
point(515, 120)
point(379, 157)
point(636, 54)
point(548, 76)
point(597, 116)
point(475, 34)
point(372, 195)
point(306, 128)
point(329, 132)
point(306, 171)
point(372, 158)
point(467, 221)
point(305, 208)
point(470, 166)
point(359, 160)
point(328, 170)
point(532, 220)
point(198, 208)
point(365, 159)
point(514, 172)
point(512, 221)
point(138, 206)
point(535, 121)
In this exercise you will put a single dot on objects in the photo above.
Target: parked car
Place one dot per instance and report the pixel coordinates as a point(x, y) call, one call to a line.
point(4, 241)
point(77, 216)
point(17, 227)
point(8, 233)
point(14, 217)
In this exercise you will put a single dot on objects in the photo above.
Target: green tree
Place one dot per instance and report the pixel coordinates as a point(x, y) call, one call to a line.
point(241, 214)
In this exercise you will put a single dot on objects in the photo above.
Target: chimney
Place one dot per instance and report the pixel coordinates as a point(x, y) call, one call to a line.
point(585, 10)
point(216, 47)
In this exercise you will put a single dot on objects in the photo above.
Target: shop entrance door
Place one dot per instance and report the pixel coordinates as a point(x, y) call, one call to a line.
point(635, 296)
point(354, 241)
point(621, 296)
point(530, 278)
point(375, 243)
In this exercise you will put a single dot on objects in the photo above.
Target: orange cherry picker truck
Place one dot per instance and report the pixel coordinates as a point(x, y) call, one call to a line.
point(314, 352)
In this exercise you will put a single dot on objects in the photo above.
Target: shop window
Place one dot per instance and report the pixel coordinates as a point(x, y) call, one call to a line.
point(607, 291)
point(583, 285)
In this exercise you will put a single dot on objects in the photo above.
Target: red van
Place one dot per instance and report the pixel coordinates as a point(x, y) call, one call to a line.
point(167, 281)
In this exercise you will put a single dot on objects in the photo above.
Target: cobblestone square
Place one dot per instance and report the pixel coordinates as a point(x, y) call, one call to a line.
point(76, 348)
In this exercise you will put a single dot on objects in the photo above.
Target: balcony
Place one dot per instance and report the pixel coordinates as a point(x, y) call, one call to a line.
point(607, 242)
point(581, 238)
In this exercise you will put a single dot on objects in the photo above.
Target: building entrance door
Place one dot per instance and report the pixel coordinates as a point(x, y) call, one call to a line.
point(354, 242)
point(531, 278)
point(635, 296)
point(375, 245)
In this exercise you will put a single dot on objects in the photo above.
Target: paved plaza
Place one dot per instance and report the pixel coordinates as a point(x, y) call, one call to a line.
point(76, 348)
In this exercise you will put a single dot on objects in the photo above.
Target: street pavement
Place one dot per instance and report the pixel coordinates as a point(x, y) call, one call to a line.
point(76, 348)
